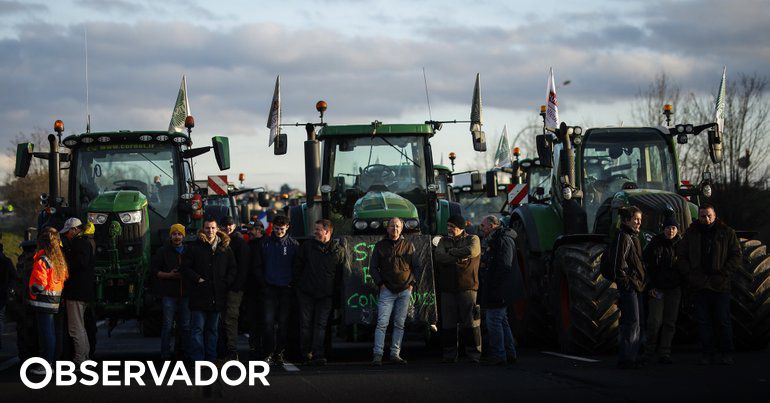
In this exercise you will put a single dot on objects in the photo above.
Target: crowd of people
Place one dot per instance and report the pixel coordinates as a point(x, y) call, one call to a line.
point(206, 284)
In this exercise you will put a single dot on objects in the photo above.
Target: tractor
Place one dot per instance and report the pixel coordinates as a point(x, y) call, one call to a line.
point(366, 175)
point(577, 184)
point(132, 185)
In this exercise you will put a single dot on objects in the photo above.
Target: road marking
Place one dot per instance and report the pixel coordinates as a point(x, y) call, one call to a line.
point(289, 367)
point(9, 363)
point(571, 357)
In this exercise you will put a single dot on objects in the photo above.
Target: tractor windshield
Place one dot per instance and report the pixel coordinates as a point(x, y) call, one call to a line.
point(147, 168)
point(616, 160)
point(393, 163)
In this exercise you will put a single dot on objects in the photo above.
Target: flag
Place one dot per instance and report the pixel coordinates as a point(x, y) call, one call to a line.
point(274, 118)
point(719, 110)
point(503, 154)
point(476, 107)
point(181, 109)
point(268, 226)
point(551, 104)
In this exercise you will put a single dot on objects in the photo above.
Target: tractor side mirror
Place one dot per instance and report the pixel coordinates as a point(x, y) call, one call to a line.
point(263, 199)
point(479, 141)
point(281, 144)
point(715, 145)
point(221, 147)
point(491, 184)
point(476, 185)
point(544, 151)
point(23, 159)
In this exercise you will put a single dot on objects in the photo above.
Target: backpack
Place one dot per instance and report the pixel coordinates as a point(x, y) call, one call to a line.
point(607, 263)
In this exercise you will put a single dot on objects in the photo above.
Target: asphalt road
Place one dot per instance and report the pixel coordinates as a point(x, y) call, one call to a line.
point(537, 376)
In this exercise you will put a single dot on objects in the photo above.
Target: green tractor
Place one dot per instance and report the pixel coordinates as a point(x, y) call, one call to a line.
point(366, 175)
point(132, 186)
point(572, 212)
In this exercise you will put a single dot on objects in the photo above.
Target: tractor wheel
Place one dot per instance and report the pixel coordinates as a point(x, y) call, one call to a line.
point(528, 318)
point(751, 297)
point(584, 302)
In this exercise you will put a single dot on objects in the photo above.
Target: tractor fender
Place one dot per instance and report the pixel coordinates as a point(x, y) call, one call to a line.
point(542, 223)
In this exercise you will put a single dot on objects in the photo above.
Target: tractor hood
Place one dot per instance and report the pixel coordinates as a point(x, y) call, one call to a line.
point(117, 201)
point(654, 204)
point(383, 205)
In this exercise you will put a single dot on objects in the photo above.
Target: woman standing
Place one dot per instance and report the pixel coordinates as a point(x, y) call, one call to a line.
point(630, 280)
point(49, 271)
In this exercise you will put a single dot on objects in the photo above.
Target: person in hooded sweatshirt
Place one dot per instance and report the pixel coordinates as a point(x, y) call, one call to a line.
point(320, 262)
point(209, 268)
point(166, 267)
point(710, 253)
point(665, 291)
point(630, 279)
point(278, 253)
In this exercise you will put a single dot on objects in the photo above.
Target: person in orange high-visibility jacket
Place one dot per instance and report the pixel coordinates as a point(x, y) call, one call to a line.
point(49, 271)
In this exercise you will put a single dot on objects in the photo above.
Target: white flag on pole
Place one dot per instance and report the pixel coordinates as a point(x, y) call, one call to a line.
point(719, 110)
point(181, 109)
point(551, 104)
point(503, 153)
point(274, 118)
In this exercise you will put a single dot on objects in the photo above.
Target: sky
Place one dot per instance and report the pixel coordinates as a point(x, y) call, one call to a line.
point(365, 58)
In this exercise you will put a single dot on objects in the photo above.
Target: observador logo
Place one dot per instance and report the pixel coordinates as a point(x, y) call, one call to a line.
point(130, 373)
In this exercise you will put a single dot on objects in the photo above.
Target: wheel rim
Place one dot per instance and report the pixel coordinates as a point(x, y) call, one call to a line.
point(564, 303)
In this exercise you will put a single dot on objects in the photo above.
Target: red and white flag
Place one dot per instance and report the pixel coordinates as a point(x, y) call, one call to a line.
point(551, 104)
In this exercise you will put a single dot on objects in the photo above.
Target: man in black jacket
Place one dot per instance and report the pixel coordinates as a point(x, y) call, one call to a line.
point(229, 334)
point(166, 266)
point(710, 253)
point(209, 269)
point(253, 293)
point(79, 288)
point(319, 263)
point(500, 285)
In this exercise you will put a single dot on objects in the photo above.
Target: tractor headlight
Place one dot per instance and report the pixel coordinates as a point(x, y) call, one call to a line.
point(411, 223)
point(97, 218)
point(706, 189)
point(360, 225)
point(326, 189)
point(130, 217)
point(374, 224)
point(578, 140)
point(566, 192)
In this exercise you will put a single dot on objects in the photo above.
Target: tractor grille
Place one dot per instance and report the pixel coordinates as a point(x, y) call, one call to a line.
point(129, 242)
point(654, 206)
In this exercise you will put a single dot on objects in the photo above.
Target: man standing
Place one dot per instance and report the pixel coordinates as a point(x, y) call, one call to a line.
point(253, 293)
point(501, 284)
point(319, 263)
point(278, 253)
point(710, 253)
point(166, 266)
point(209, 268)
point(240, 250)
point(393, 267)
point(79, 287)
point(457, 257)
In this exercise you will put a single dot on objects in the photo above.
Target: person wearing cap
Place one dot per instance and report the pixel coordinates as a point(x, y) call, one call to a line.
point(664, 293)
point(79, 251)
point(166, 272)
point(229, 330)
point(457, 259)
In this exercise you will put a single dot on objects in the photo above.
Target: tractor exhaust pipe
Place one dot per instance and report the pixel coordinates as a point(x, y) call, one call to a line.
point(54, 176)
point(312, 165)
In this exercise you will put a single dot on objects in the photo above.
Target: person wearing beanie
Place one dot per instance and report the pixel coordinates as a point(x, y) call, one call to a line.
point(710, 254)
point(457, 262)
point(166, 270)
point(79, 291)
point(664, 291)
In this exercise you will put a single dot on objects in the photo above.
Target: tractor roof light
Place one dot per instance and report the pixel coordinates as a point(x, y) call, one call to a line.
point(516, 151)
point(668, 108)
point(58, 126)
point(70, 142)
point(688, 128)
point(87, 140)
point(566, 192)
point(452, 155)
point(321, 106)
point(103, 139)
point(577, 130)
point(680, 128)
point(578, 140)
point(161, 137)
point(542, 109)
point(681, 138)
point(189, 122)
point(706, 190)
point(180, 140)
point(145, 137)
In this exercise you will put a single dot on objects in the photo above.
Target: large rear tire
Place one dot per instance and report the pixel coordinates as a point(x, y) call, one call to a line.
point(584, 302)
point(529, 317)
point(751, 297)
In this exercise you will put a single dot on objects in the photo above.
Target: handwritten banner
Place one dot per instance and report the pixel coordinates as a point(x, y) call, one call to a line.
point(360, 294)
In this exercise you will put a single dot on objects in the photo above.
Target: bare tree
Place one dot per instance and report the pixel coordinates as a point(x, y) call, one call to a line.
point(648, 107)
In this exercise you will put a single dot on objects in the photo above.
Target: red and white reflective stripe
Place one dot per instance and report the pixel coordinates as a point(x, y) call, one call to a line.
point(518, 194)
point(217, 185)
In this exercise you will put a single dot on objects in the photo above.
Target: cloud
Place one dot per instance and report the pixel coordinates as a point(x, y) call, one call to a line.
point(17, 7)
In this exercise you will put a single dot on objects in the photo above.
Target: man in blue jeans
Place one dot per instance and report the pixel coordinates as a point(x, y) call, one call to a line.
point(393, 267)
point(166, 265)
point(500, 284)
point(209, 268)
